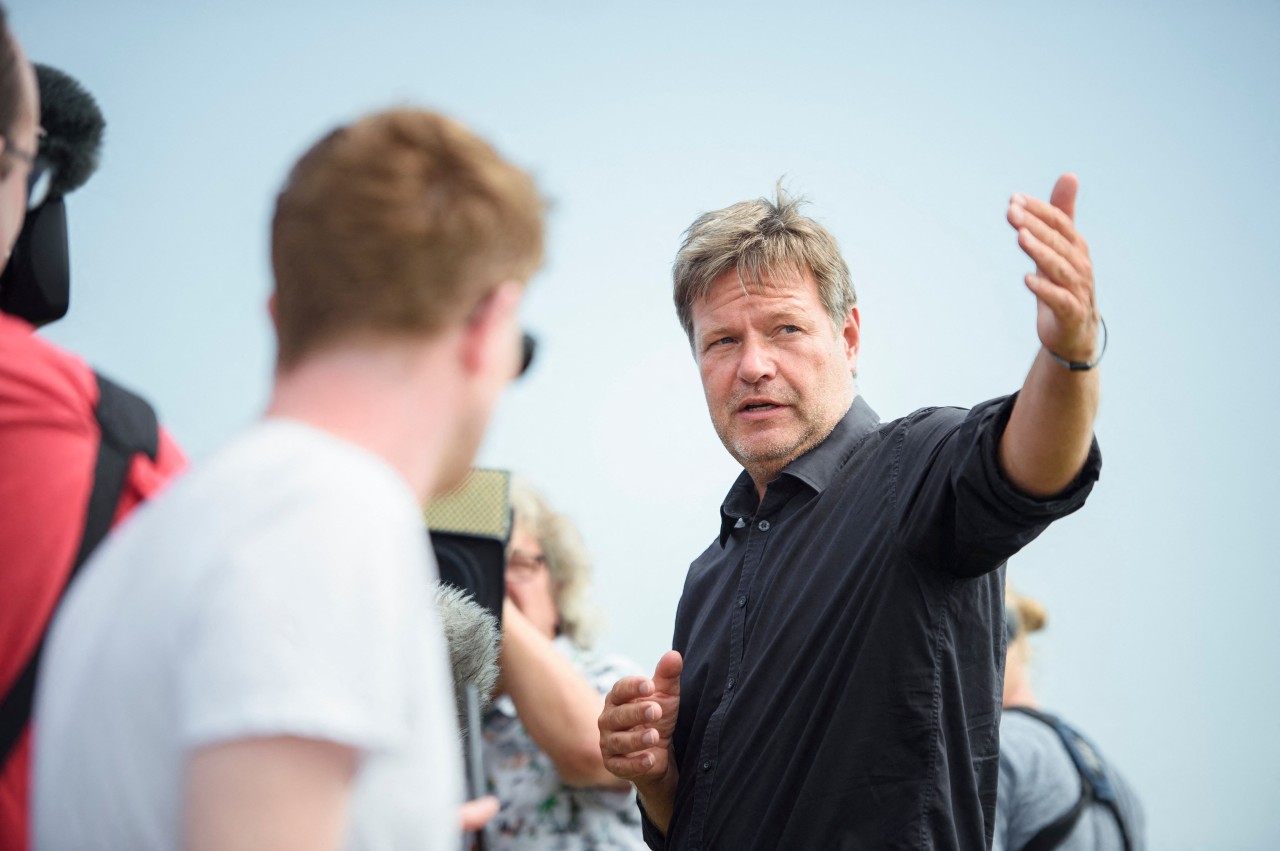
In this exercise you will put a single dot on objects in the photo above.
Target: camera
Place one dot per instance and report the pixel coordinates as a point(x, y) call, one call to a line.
point(469, 528)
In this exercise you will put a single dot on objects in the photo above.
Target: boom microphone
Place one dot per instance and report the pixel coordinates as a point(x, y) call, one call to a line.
point(36, 283)
point(73, 126)
point(472, 636)
point(470, 527)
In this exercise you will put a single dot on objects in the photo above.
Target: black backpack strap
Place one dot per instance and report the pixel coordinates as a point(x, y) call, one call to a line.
point(1124, 829)
point(1056, 832)
point(128, 425)
point(1095, 785)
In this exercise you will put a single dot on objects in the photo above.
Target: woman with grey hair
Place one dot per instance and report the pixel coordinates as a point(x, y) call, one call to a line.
point(541, 741)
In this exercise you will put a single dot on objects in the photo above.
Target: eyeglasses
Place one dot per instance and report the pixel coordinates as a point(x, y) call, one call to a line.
point(522, 567)
point(529, 345)
point(40, 172)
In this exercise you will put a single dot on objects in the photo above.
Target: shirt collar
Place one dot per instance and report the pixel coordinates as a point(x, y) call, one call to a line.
point(815, 468)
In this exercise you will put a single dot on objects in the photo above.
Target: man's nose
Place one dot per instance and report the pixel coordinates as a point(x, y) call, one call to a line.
point(755, 362)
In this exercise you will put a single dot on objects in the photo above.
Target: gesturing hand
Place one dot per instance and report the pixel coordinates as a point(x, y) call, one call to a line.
point(1066, 310)
point(638, 720)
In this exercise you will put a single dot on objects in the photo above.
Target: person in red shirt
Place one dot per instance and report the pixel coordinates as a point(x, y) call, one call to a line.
point(53, 410)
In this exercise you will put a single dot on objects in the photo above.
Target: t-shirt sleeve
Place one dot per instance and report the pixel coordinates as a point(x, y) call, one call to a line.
point(303, 632)
point(955, 506)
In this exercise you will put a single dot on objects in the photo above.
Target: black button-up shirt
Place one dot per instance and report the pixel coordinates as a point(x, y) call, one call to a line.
point(843, 642)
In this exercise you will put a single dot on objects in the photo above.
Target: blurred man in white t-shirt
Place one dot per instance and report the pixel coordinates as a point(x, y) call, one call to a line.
point(255, 660)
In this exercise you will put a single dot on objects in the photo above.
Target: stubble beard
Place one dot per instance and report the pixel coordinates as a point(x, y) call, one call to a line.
point(764, 460)
point(764, 456)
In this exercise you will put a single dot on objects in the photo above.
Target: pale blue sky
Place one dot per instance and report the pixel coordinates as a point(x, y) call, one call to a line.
point(908, 126)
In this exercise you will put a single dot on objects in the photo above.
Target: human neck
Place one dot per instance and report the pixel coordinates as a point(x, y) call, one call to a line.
point(397, 400)
point(1018, 692)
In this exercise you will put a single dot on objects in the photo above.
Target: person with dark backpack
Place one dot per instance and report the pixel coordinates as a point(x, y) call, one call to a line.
point(1057, 790)
point(77, 451)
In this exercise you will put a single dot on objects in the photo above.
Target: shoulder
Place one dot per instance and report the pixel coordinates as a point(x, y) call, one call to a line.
point(304, 470)
point(285, 505)
point(40, 377)
point(935, 424)
point(1031, 750)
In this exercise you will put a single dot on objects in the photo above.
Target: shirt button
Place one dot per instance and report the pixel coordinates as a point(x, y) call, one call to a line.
point(706, 766)
point(742, 601)
point(763, 525)
point(729, 685)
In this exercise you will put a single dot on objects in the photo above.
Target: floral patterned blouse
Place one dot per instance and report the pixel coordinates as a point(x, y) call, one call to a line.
point(538, 811)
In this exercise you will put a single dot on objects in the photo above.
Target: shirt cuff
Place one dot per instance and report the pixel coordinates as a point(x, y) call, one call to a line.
point(653, 837)
point(992, 417)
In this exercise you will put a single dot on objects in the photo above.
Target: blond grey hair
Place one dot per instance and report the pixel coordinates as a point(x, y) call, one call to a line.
point(1030, 616)
point(757, 238)
point(567, 560)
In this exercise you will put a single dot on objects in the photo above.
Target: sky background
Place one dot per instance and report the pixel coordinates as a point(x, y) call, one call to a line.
point(907, 126)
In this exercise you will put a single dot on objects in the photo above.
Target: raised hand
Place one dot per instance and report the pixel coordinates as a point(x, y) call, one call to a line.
point(1067, 314)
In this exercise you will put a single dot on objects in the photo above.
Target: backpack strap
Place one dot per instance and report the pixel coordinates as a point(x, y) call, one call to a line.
point(128, 426)
point(1095, 784)
point(1056, 832)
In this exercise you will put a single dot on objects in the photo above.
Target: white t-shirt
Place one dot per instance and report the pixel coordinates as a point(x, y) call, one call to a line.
point(281, 589)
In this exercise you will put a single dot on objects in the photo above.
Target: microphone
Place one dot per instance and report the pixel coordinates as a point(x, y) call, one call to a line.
point(470, 526)
point(469, 529)
point(472, 636)
point(73, 126)
point(36, 283)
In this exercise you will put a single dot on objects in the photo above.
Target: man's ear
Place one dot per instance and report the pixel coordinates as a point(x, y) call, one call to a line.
point(489, 334)
point(851, 333)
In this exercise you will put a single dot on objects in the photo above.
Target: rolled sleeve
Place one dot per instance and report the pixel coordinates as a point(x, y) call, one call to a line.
point(959, 510)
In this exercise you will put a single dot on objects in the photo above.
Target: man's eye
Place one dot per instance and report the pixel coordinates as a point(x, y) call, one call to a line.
point(790, 329)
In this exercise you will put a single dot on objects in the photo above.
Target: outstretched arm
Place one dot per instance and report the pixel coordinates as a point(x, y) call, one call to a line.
point(636, 726)
point(1047, 439)
point(556, 704)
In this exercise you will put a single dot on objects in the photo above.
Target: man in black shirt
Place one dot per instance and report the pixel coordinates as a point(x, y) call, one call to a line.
point(838, 651)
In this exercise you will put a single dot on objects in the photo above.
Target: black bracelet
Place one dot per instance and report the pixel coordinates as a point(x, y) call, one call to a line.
point(1082, 365)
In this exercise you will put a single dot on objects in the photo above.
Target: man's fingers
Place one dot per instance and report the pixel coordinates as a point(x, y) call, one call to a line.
point(628, 689)
point(1062, 303)
point(1052, 217)
point(634, 766)
point(621, 743)
point(1064, 194)
point(1021, 219)
point(476, 814)
point(629, 715)
point(1054, 266)
point(666, 676)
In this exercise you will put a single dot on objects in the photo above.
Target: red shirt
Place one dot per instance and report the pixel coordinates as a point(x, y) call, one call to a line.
point(48, 446)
